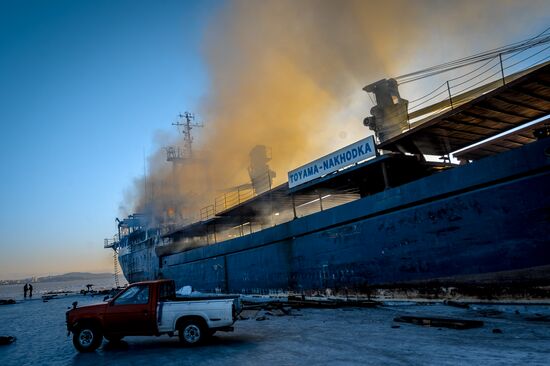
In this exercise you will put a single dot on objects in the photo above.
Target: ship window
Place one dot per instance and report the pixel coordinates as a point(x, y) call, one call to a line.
point(134, 295)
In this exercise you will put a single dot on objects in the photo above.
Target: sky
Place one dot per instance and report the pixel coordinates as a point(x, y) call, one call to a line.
point(85, 86)
point(89, 90)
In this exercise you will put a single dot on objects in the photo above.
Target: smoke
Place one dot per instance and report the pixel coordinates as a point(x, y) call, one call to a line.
point(288, 74)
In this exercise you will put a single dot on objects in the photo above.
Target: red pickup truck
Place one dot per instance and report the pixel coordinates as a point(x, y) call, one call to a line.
point(151, 308)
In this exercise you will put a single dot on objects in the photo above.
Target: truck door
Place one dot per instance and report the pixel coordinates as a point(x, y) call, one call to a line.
point(131, 312)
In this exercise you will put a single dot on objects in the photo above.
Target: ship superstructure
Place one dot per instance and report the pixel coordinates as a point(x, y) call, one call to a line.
point(381, 212)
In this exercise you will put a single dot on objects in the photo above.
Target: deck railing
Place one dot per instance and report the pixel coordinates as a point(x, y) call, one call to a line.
point(463, 80)
point(236, 196)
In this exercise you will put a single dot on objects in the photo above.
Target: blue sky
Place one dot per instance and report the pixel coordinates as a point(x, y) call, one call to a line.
point(84, 88)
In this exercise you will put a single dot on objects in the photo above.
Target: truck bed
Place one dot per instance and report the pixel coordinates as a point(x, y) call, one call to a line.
point(216, 311)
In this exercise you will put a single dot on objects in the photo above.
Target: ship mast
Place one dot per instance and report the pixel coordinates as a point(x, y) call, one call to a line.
point(178, 154)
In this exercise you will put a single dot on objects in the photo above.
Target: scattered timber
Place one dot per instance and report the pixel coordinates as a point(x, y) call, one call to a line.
point(299, 302)
point(437, 322)
point(5, 340)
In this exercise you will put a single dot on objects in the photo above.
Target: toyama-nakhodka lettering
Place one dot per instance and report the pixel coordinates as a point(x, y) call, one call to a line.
point(351, 154)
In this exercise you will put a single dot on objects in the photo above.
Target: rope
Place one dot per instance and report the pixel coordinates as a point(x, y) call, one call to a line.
point(483, 56)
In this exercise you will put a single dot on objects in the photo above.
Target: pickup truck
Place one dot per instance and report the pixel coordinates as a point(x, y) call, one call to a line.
point(151, 308)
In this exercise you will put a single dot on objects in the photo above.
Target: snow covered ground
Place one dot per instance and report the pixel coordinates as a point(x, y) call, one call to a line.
point(308, 337)
point(39, 288)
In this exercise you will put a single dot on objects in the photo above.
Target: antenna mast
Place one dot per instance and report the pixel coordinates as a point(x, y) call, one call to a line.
point(185, 124)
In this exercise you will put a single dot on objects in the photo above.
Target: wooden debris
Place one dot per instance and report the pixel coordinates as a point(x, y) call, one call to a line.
point(452, 323)
point(5, 340)
point(297, 302)
point(490, 312)
point(538, 318)
point(456, 304)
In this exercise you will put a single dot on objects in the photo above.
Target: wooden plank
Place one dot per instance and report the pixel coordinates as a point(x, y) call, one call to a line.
point(506, 109)
point(438, 322)
point(518, 103)
point(491, 119)
point(498, 114)
point(532, 94)
point(459, 132)
point(475, 125)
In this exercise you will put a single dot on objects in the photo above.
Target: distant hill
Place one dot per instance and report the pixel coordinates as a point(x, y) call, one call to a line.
point(74, 276)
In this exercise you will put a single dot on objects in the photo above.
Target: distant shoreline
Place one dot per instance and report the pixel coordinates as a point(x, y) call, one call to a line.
point(71, 276)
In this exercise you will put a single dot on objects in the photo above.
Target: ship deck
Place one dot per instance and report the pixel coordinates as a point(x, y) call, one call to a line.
point(383, 172)
point(518, 102)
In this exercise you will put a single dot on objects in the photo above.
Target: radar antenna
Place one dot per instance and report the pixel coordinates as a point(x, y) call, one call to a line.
point(185, 124)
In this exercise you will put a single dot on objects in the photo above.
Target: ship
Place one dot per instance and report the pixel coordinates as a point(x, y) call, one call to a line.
point(382, 212)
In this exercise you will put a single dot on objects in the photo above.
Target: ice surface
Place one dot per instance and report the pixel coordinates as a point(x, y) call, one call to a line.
point(310, 337)
point(39, 288)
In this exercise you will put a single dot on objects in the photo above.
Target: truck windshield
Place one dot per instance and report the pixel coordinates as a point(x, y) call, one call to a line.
point(134, 295)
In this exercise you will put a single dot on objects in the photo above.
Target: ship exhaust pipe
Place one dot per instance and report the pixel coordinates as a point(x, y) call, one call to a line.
point(390, 114)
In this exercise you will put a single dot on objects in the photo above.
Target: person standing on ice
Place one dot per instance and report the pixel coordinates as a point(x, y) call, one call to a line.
point(25, 289)
point(30, 290)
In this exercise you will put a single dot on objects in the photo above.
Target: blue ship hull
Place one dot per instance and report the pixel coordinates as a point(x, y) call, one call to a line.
point(473, 221)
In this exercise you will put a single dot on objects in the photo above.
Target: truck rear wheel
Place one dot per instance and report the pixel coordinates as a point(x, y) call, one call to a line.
point(87, 338)
point(192, 332)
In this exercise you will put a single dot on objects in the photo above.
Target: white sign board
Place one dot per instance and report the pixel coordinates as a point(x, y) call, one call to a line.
point(339, 159)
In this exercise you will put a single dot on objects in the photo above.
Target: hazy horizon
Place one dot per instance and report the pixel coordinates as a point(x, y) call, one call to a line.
point(54, 274)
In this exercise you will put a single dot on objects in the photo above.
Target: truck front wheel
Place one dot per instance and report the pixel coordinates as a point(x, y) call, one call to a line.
point(192, 332)
point(87, 338)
